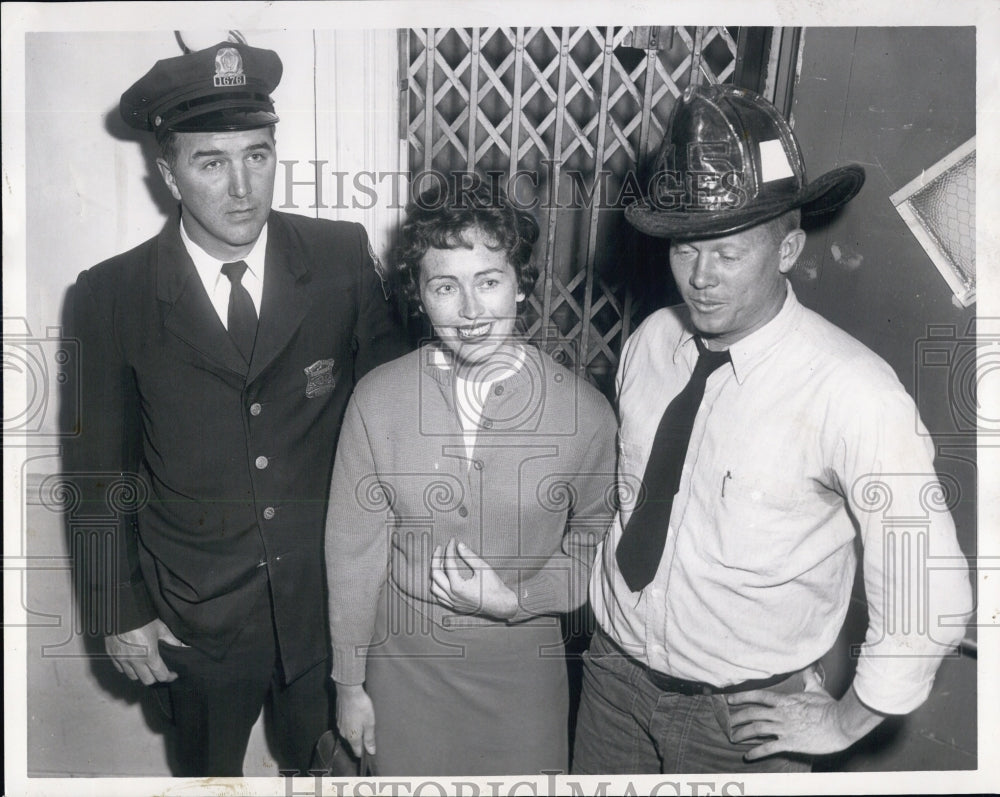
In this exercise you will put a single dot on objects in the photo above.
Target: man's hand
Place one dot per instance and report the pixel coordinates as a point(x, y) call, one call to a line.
point(136, 654)
point(356, 717)
point(482, 593)
point(810, 721)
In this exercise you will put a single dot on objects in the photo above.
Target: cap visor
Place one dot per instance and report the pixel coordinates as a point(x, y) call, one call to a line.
point(223, 120)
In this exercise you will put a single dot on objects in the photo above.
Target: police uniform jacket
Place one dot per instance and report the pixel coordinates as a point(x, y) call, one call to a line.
point(226, 465)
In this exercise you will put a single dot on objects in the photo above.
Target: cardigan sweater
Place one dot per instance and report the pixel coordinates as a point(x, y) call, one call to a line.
point(533, 500)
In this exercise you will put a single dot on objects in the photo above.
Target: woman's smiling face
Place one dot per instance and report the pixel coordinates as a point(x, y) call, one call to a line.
point(470, 295)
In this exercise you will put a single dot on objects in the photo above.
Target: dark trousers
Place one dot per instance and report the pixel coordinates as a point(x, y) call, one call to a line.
point(215, 703)
point(627, 725)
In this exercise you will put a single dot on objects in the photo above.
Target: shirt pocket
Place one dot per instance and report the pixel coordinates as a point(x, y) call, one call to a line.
point(760, 526)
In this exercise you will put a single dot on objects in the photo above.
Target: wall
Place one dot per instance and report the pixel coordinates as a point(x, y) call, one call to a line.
point(896, 100)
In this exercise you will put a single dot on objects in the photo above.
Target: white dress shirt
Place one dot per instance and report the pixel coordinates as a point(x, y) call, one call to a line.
point(217, 284)
point(801, 440)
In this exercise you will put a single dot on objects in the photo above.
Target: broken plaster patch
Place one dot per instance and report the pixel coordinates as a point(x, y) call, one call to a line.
point(846, 258)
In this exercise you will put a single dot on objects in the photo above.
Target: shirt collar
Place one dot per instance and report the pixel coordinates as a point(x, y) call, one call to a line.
point(439, 363)
point(746, 352)
point(210, 269)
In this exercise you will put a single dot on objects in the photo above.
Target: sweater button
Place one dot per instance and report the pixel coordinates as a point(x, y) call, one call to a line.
point(261, 463)
point(462, 511)
point(498, 390)
point(255, 409)
point(478, 464)
point(269, 513)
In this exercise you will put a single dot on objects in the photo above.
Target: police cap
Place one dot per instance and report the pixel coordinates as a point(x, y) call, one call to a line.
point(223, 87)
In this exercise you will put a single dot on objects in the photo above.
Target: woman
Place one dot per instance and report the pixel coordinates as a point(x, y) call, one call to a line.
point(472, 483)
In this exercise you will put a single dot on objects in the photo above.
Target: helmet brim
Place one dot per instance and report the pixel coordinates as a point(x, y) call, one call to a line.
point(824, 195)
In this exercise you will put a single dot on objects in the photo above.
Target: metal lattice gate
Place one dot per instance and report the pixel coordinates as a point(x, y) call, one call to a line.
point(570, 117)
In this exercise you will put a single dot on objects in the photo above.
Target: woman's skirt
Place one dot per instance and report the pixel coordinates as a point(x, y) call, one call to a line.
point(467, 699)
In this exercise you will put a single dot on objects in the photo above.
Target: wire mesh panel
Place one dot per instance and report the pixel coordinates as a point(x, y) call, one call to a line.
point(939, 207)
point(567, 120)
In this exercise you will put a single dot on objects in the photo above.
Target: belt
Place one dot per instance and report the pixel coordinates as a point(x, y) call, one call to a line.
point(682, 686)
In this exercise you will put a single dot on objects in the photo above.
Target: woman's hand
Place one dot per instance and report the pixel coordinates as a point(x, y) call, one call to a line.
point(356, 718)
point(483, 593)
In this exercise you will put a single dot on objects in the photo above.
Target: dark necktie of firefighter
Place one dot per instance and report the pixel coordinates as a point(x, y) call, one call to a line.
point(242, 319)
point(641, 546)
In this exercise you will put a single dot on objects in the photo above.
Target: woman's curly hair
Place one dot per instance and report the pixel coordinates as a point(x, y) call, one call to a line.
point(441, 218)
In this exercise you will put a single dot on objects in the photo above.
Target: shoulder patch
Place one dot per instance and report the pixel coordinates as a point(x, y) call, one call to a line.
point(379, 268)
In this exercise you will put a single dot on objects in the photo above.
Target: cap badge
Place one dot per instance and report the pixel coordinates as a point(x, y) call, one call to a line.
point(229, 68)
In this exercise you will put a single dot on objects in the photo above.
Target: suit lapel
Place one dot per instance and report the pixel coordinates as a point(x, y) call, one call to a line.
point(286, 300)
point(190, 315)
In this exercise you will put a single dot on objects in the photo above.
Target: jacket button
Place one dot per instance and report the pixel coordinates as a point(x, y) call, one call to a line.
point(498, 390)
point(478, 464)
point(269, 513)
point(463, 512)
point(487, 423)
point(255, 408)
point(261, 463)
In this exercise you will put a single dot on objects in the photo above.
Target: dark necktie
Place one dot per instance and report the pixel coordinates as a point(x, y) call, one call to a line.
point(641, 546)
point(242, 321)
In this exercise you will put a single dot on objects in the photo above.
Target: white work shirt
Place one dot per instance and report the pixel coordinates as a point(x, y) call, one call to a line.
point(805, 429)
point(217, 284)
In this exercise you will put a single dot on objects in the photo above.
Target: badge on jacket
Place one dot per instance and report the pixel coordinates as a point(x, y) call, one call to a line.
point(319, 378)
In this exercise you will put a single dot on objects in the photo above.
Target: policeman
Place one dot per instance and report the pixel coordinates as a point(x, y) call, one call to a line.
point(218, 357)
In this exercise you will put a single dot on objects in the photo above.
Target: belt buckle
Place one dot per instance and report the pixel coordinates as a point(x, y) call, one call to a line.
point(698, 688)
point(669, 683)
